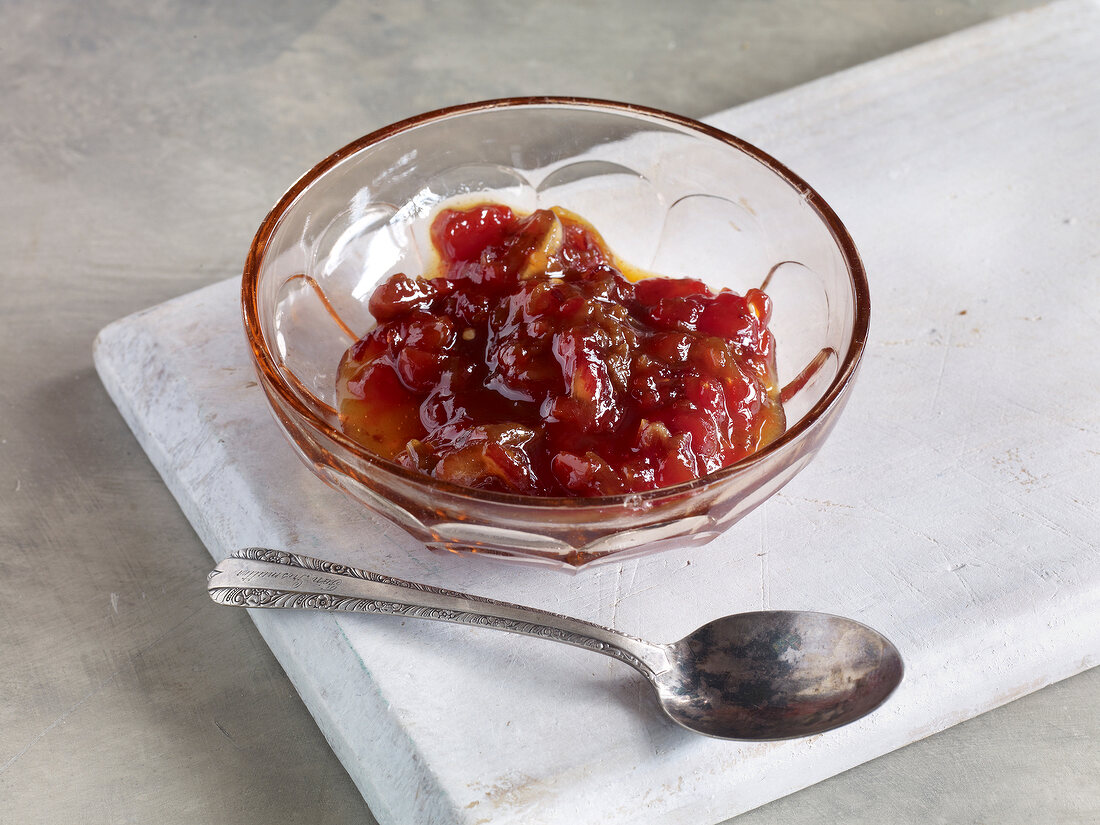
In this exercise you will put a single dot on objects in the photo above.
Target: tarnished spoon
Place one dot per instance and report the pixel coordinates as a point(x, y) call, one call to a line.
point(773, 674)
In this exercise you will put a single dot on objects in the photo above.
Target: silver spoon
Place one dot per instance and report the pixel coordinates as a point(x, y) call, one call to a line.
point(774, 674)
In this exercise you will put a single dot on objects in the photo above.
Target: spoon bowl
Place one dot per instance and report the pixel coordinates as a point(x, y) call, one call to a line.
point(777, 674)
point(774, 674)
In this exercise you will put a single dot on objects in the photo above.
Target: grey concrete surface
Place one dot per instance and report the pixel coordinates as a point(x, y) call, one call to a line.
point(140, 146)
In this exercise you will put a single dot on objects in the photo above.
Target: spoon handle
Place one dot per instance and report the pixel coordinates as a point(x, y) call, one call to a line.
point(258, 577)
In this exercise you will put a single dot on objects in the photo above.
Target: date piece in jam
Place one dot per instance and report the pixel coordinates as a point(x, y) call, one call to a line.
point(531, 363)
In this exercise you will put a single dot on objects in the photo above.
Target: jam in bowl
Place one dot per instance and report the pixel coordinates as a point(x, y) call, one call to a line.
point(555, 330)
point(531, 364)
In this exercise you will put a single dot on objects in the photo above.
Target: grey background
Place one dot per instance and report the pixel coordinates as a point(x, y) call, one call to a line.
point(140, 146)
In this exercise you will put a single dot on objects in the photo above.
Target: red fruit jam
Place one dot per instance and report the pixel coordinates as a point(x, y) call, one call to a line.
point(529, 363)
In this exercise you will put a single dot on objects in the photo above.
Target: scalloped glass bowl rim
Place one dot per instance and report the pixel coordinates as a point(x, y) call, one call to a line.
point(847, 369)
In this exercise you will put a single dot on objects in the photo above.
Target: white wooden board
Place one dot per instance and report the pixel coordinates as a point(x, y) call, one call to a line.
point(955, 507)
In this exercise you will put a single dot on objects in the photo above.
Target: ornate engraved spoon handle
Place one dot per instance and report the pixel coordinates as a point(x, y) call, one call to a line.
point(258, 577)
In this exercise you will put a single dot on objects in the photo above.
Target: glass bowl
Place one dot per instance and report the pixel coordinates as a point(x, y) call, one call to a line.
point(668, 194)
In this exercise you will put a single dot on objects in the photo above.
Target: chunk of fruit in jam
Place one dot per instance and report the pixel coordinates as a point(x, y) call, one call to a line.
point(529, 363)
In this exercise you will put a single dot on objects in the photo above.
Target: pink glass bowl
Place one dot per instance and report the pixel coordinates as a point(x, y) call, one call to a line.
point(668, 194)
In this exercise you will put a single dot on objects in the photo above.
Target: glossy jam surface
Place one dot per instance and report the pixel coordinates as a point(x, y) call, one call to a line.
point(530, 363)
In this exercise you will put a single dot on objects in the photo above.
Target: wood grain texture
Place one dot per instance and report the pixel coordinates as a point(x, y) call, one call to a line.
point(954, 507)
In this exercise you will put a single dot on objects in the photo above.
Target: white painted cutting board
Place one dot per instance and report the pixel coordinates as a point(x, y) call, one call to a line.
point(955, 507)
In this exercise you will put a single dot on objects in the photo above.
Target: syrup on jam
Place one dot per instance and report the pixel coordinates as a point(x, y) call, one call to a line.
point(529, 363)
